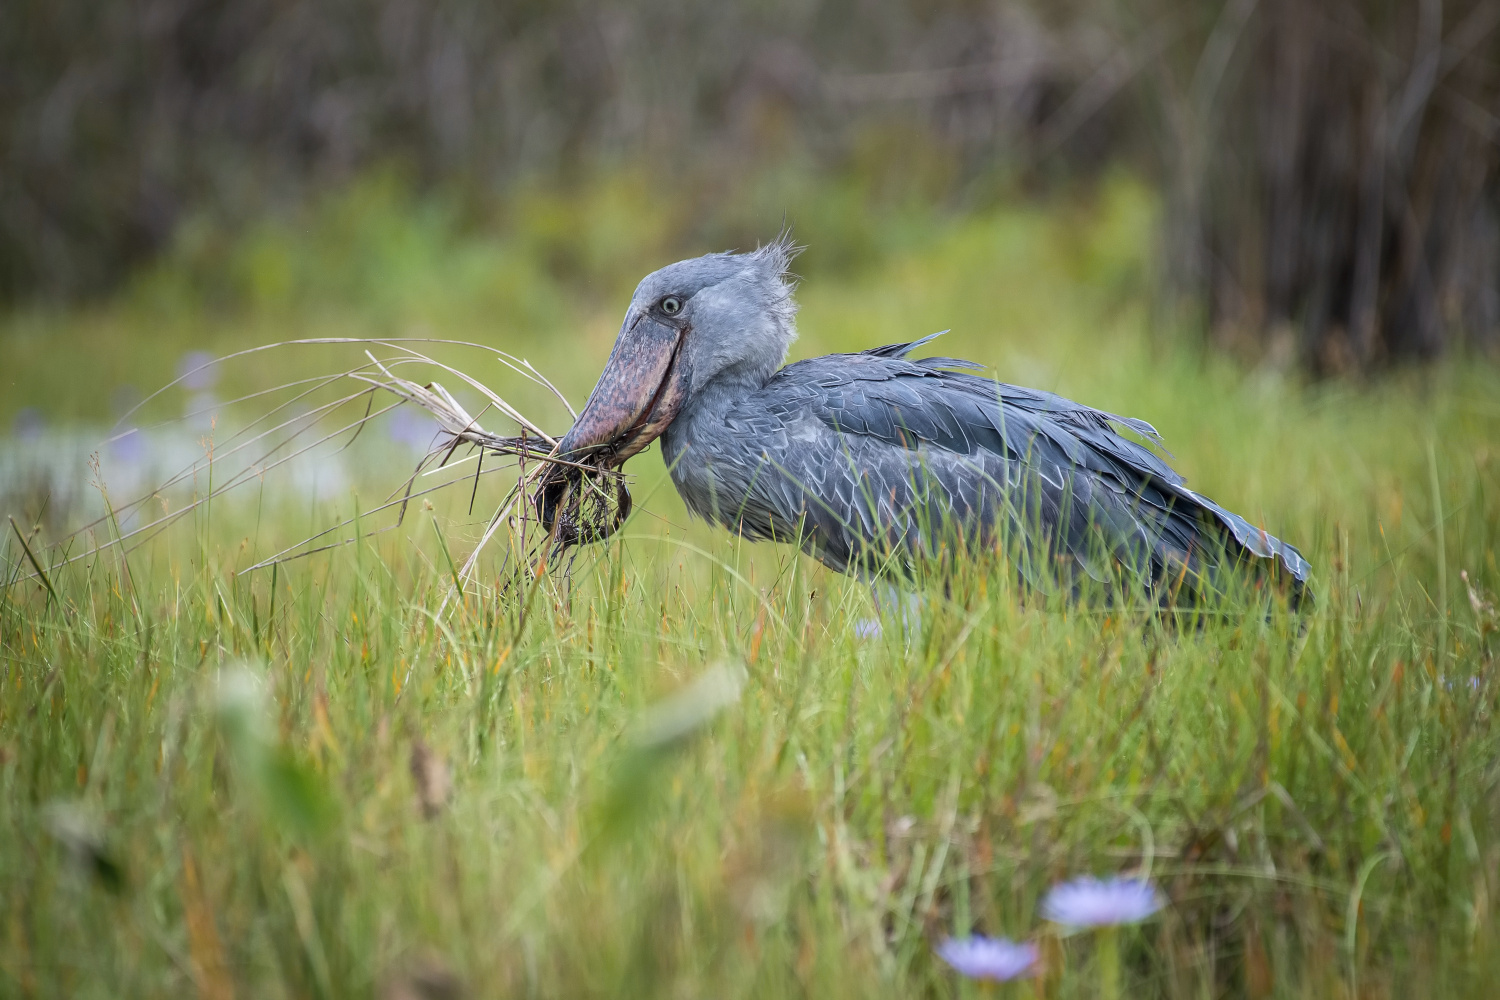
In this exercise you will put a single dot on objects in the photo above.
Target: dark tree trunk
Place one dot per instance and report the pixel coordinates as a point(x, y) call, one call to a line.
point(1337, 193)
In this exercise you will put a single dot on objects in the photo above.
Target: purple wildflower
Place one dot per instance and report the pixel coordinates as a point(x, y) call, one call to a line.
point(129, 448)
point(414, 429)
point(999, 959)
point(195, 370)
point(1091, 902)
point(29, 424)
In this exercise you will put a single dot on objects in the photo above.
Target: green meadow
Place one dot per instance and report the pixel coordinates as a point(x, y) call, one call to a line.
point(681, 772)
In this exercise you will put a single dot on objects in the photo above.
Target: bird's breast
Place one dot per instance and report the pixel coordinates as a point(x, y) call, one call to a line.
point(726, 467)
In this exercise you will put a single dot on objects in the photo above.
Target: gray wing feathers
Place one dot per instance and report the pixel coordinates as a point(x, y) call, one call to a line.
point(843, 442)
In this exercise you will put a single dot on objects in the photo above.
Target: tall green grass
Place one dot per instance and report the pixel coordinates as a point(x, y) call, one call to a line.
point(309, 783)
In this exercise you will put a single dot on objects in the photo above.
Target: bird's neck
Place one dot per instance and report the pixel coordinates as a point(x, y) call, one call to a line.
point(705, 409)
point(727, 387)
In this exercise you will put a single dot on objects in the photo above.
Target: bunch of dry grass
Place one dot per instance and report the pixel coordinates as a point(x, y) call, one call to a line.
point(594, 501)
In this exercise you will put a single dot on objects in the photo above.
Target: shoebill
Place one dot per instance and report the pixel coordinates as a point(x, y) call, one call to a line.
point(875, 461)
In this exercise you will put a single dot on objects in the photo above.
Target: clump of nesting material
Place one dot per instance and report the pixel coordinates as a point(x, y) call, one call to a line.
point(583, 500)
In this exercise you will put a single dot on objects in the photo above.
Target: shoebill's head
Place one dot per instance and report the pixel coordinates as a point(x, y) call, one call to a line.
point(725, 316)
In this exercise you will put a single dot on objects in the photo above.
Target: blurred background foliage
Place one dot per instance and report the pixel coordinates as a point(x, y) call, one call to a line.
point(1327, 171)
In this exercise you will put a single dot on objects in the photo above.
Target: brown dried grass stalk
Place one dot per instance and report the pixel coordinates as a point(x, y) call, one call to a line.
point(594, 503)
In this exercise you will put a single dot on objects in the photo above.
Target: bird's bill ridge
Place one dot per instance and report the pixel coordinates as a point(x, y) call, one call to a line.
point(639, 392)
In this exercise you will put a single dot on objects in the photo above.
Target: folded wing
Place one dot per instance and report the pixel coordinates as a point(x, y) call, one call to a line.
point(870, 450)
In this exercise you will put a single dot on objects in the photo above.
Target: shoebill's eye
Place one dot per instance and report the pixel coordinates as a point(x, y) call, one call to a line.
point(671, 305)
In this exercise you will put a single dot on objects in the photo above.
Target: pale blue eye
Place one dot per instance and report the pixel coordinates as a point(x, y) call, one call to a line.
point(671, 305)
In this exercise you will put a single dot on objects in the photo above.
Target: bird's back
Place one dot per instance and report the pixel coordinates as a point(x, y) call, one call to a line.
point(875, 458)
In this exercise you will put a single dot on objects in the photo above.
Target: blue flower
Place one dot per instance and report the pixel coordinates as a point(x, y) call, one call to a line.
point(412, 428)
point(29, 424)
point(1090, 902)
point(195, 370)
point(999, 959)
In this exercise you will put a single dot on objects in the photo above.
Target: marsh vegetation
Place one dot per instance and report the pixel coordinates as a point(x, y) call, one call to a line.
point(686, 774)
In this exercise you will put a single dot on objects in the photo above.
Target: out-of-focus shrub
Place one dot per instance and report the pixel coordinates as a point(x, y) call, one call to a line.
point(119, 121)
point(1334, 176)
point(1329, 169)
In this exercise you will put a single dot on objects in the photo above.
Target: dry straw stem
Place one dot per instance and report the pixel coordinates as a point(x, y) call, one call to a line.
point(285, 433)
